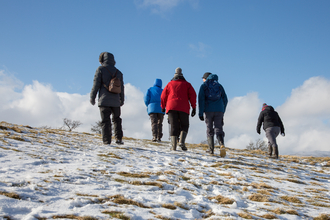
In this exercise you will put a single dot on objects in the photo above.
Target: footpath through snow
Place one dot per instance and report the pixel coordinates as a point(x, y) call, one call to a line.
point(55, 174)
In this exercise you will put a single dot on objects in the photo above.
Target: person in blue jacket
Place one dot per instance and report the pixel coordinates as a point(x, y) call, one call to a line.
point(212, 103)
point(152, 101)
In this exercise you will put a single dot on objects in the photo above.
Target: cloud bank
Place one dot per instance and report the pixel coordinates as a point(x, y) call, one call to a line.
point(305, 114)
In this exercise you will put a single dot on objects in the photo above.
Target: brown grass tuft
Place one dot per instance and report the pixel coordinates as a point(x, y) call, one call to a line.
point(222, 200)
point(291, 199)
point(245, 215)
point(133, 175)
point(169, 206)
point(257, 197)
point(268, 216)
point(115, 214)
point(322, 217)
point(10, 195)
point(120, 199)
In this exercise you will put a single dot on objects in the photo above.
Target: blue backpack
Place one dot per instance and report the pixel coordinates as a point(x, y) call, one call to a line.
point(212, 90)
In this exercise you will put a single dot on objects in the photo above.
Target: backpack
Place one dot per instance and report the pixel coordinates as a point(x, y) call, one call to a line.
point(212, 90)
point(114, 84)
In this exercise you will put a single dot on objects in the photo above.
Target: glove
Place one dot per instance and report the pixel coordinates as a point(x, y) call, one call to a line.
point(283, 134)
point(92, 101)
point(193, 113)
point(163, 110)
point(121, 103)
point(201, 118)
point(258, 132)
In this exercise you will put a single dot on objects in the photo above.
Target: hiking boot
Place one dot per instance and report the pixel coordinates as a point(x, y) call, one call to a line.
point(222, 151)
point(275, 149)
point(119, 142)
point(220, 140)
point(270, 150)
point(154, 139)
point(210, 142)
point(174, 142)
point(182, 144)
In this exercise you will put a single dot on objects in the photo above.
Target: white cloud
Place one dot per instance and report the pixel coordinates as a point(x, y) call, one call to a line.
point(162, 6)
point(200, 50)
point(306, 114)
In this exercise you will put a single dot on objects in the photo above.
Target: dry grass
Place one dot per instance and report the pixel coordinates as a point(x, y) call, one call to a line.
point(245, 215)
point(268, 216)
point(181, 205)
point(292, 212)
point(291, 199)
point(74, 217)
point(222, 200)
point(10, 195)
point(322, 217)
point(120, 199)
point(264, 192)
point(262, 186)
point(279, 211)
point(115, 214)
point(133, 175)
point(169, 206)
point(139, 183)
point(257, 197)
point(110, 155)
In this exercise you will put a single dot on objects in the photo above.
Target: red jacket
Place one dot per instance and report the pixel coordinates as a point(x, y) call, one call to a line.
point(176, 96)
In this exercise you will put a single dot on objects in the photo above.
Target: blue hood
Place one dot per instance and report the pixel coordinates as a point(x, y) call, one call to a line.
point(213, 76)
point(158, 83)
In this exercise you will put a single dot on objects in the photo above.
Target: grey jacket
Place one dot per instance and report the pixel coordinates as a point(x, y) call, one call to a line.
point(103, 76)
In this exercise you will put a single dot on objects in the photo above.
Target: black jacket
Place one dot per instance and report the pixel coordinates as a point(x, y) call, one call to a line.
point(270, 118)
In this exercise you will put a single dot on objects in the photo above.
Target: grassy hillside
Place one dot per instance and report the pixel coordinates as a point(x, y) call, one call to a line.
point(52, 174)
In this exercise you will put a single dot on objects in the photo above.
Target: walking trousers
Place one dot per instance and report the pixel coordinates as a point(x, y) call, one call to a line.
point(106, 112)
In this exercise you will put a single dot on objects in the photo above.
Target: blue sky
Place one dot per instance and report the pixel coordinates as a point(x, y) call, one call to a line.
point(269, 47)
point(266, 48)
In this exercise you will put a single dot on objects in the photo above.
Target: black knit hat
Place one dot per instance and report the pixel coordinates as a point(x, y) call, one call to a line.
point(206, 75)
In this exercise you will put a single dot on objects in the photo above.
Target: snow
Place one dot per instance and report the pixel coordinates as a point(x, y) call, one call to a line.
point(60, 174)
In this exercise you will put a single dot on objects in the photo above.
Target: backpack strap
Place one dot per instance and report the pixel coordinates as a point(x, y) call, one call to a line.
point(107, 87)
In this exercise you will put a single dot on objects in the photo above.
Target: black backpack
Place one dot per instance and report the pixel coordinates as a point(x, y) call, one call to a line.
point(212, 90)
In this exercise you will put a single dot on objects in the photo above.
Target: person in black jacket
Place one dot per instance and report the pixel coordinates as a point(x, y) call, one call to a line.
point(272, 124)
point(109, 103)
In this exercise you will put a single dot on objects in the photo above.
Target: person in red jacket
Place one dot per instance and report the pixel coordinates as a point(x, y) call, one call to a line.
point(176, 99)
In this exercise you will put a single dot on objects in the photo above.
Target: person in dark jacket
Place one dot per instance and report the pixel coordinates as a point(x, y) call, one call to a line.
point(152, 101)
point(176, 99)
point(109, 103)
point(272, 124)
point(213, 110)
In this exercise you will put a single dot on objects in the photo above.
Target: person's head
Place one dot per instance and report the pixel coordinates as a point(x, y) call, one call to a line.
point(158, 82)
point(264, 106)
point(107, 58)
point(178, 72)
point(205, 76)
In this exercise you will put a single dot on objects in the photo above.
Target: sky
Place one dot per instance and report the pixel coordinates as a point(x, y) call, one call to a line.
point(263, 51)
point(54, 174)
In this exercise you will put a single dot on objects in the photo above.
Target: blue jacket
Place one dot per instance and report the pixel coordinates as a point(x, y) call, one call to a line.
point(152, 98)
point(205, 105)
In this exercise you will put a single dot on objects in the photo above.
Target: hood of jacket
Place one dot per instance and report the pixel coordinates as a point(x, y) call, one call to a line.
point(269, 108)
point(158, 83)
point(108, 59)
point(212, 77)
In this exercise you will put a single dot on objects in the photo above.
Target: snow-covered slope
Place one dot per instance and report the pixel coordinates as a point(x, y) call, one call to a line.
point(52, 174)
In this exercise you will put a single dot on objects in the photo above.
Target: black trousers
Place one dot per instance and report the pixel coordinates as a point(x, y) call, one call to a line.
point(179, 121)
point(157, 124)
point(106, 112)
